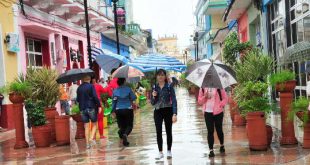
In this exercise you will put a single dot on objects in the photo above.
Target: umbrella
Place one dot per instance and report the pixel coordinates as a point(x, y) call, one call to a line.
point(212, 74)
point(108, 60)
point(74, 75)
point(128, 72)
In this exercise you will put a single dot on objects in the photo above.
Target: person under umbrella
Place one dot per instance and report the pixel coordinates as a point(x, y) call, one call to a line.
point(88, 104)
point(165, 103)
point(212, 78)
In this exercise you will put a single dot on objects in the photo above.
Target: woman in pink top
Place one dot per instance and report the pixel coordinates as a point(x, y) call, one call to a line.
point(213, 101)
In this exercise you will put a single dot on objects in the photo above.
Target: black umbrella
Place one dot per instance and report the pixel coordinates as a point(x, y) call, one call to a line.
point(74, 75)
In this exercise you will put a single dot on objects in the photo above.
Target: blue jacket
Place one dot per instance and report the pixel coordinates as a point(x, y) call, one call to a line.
point(165, 98)
point(122, 98)
point(87, 97)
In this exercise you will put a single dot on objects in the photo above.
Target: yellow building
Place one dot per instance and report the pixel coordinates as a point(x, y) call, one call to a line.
point(168, 45)
point(8, 58)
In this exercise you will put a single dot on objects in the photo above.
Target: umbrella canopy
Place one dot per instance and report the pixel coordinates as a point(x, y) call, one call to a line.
point(127, 72)
point(297, 52)
point(206, 73)
point(74, 75)
point(151, 62)
point(108, 60)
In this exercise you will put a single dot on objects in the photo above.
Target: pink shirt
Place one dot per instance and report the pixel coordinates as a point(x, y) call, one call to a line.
point(218, 104)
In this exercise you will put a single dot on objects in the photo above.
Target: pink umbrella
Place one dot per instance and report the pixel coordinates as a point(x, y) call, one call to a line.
point(128, 72)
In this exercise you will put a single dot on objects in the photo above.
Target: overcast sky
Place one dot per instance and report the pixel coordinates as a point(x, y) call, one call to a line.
point(166, 17)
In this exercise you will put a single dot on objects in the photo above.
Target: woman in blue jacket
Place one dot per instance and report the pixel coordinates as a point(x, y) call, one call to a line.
point(123, 98)
point(165, 104)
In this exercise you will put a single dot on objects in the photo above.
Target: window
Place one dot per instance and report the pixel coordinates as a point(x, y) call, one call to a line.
point(34, 53)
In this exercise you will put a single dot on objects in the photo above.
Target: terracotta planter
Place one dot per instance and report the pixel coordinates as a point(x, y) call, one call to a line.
point(286, 98)
point(269, 134)
point(16, 98)
point(41, 136)
point(80, 130)
point(239, 120)
point(50, 114)
point(62, 127)
point(306, 138)
point(256, 131)
point(232, 108)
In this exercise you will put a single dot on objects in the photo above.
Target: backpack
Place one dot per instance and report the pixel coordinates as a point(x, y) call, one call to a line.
point(218, 91)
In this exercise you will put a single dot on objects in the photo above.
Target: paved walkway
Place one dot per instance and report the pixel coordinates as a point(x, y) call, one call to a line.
point(189, 146)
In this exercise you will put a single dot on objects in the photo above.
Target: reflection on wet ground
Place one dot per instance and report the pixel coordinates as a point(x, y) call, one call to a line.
point(189, 146)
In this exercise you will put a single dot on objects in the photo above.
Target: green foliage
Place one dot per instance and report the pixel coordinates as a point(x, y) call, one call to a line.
point(255, 66)
point(44, 85)
point(147, 84)
point(233, 48)
point(281, 77)
point(3, 90)
point(300, 105)
point(75, 110)
point(35, 111)
point(22, 88)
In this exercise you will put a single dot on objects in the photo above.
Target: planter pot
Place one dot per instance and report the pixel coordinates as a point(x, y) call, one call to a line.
point(62, 127)
point(80, 130)
point(256, 131)
point(41, 135)
point(306, 138)
point(269, 134)
point(286, 98)
point(232, 109)
point(239, 120)
point(16, 98)
point(50, 114)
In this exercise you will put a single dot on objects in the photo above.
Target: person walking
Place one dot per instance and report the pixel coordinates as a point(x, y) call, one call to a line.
point(72, 92)
point(122, 106)
point(99, 91)
point(64, 104)
point(88, 104)
point(213, 101)
point(165, 103)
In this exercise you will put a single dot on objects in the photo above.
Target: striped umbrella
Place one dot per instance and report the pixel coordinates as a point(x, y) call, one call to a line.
point(211, 74)
point(130, 73)
point(107, 60)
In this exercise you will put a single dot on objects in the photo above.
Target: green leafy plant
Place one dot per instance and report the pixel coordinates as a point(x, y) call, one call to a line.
point(281, 77)
point(75, 110)
point(300, 105)
point(21, 88)
point(233, 48)
point(147, 84)
point(3, 90)
point(44, 85)
point(35, 112)
point(255, 66)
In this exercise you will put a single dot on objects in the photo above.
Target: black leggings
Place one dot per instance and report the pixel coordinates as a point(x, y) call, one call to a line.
point(124, 121)
point(217, 121)
point(160, 115)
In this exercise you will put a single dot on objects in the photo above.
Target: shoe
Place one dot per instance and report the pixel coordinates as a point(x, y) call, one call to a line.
point(211, 154)
point(169, 155)
point(88, 146)
point(125, 140)
point(160, 156)
point(222, 149)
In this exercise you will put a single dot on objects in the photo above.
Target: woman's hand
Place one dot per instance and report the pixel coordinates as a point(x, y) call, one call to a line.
point(154, 93)
point(174, 118)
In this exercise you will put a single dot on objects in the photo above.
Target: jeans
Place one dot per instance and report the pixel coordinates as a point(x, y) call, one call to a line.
point(89, 114)
point(217, 121)
point(160, 115)
point(65, 105)
point(124, 121)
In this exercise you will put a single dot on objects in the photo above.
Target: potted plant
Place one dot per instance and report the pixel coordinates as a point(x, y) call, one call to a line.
point(40, 130)
point(76, 116)
point(255, 105)
point(285, 83)
point(300, 109)
point(45, 88)
point(18, 91)
point(148, 87)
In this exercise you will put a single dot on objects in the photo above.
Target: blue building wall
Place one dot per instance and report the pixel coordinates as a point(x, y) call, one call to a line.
point(107, 43)
point(210, 50)
point(208, 22)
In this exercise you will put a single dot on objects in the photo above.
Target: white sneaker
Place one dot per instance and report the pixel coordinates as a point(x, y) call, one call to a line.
point(169, 155)
point(160, 156)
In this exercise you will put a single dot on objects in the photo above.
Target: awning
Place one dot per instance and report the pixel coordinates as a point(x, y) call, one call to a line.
point(297, 52)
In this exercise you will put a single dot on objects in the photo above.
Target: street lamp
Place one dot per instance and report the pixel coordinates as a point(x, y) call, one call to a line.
point(90, 62)
point(116, 25)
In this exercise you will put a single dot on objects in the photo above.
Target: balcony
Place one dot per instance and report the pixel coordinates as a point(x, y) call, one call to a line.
point(73, 11)
point(215, 7)
point(235, 9)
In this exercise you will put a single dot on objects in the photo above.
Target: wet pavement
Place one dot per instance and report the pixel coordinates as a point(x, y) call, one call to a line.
point(189, 144)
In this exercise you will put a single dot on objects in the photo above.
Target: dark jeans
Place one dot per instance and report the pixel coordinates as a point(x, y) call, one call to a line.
point(217, 121)
point(124, 121)
point(160, 115)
